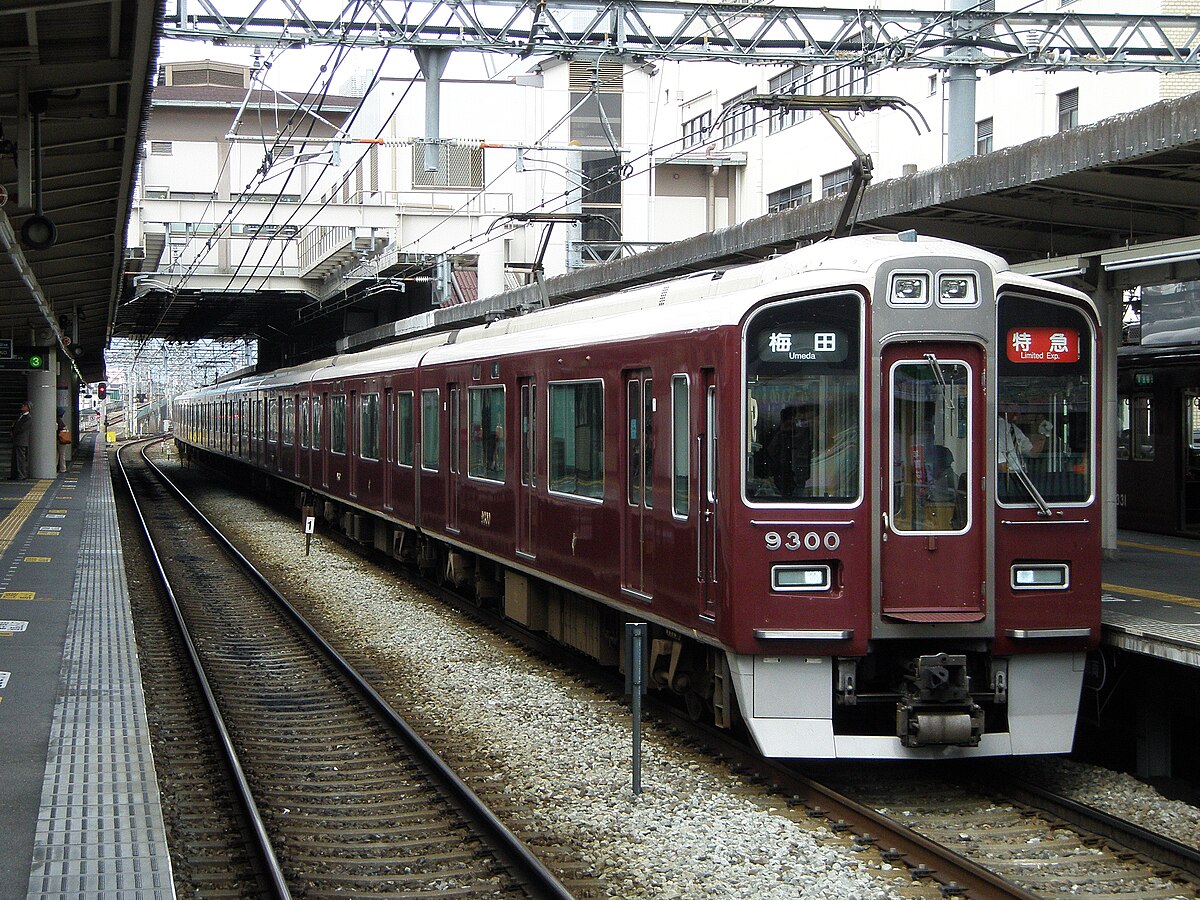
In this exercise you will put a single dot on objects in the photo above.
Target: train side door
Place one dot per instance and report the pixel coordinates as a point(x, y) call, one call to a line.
point(527, 490)
point(706, 528)
point(454, 440)
point(637, 551)
point(388, 448)
point(1190, 434)
point(934, 528)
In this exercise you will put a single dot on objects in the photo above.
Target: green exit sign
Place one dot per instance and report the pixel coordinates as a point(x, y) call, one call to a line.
point(1143, 379)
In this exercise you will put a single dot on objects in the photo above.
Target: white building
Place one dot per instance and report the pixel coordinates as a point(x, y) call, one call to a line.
point(654, 153)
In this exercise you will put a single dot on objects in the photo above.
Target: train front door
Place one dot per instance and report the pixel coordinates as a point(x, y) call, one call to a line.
point(933, 550)
point(637, 548)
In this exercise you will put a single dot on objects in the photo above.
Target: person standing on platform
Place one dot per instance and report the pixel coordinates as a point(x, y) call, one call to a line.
point(20, 444)
point(62, 440)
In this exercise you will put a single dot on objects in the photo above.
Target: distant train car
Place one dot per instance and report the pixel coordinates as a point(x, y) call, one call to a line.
point(1158, 447)
point(852, 488)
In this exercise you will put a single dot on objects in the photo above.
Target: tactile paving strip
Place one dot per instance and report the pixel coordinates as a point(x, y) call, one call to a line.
point(100, 830)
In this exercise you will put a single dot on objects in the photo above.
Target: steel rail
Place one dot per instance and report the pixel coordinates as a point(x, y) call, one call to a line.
point(956, 875)
point(1150, 844)
point(273, 870)
point(513, 854)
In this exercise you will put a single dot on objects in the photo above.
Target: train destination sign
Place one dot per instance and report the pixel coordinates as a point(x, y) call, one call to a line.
point(1043, 345)
point(806, 345)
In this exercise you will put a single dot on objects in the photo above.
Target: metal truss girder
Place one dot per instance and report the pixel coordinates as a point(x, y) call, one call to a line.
point(758, 33)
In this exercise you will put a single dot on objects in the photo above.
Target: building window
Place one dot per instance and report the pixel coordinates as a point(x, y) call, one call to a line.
point(790, 197)
point(740, 122)
point(837, 182)
point(577, 439)
point(794, 82)
point(1068, 109)
point(695, 131)
point(983, 137)
point(845, 81)
point(597, 122)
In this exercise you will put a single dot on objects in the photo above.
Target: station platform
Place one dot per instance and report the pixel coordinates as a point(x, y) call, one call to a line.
point(1151, 597)
point(80, 815)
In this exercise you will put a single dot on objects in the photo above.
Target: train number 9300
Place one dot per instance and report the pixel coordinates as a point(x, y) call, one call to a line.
point(809, 541)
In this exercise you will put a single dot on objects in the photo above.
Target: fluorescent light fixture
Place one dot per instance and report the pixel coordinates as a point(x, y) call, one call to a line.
point(1053, 269)
point(1155, 254)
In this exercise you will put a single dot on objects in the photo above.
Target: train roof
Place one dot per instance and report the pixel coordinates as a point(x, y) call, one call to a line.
point(670, 306)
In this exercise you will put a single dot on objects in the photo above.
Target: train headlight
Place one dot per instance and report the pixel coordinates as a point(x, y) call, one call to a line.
point(1041, 577)
point(909, 289)
point(801, 578)
point(957, 290)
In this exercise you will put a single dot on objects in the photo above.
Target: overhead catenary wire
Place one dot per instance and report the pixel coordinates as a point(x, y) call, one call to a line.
point(622, 171)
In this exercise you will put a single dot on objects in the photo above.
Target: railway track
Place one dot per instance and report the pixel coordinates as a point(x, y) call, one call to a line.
point(1052, 846)
point(1066, 862)
point(343, 798)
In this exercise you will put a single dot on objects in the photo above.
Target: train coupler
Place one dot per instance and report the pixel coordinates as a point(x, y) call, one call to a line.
point(936, 706)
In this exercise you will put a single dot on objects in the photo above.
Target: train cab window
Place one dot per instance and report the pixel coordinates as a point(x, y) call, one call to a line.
point(404, 428)
point(576, 426)
point(305, 425)
point(289, 421)
point(803, 361)
point(272, 421)
point(930, 445)
point(1044, 431)
point(368, 426)
point(485, 447)
point(681, 446)
point(430, 419)
point(1124, 427)
point(337, 423)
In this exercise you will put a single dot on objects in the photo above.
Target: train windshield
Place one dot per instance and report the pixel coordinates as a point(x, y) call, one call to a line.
point(1044, 439)
point(803, 376)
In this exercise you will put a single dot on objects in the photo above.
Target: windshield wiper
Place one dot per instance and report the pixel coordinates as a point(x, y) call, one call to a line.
point(1015, 466)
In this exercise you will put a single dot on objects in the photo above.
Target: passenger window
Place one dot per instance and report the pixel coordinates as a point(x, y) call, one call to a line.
point(1143, 428)
point(577, 438)
point(289, 421)
point(485, 449)
point(404, 428)
point(368, 424)
point(337, 424)
point(681, 445)
point(430, 450)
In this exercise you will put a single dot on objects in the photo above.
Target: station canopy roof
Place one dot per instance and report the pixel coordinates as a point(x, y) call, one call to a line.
point(74, 82)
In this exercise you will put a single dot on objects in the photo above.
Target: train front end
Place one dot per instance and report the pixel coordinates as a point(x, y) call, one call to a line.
point(913, 565)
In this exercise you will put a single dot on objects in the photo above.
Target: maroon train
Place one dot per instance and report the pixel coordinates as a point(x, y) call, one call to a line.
point(852, 488)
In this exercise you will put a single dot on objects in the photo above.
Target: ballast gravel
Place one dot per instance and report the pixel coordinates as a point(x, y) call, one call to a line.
point(561, 750)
